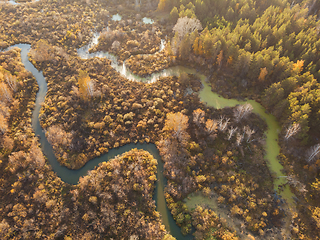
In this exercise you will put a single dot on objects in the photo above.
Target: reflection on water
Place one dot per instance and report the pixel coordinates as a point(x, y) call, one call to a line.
point(116, 17)
point(16, 3)
point(147, 20)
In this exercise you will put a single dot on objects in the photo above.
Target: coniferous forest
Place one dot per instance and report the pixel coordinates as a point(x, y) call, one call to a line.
point(158, 119)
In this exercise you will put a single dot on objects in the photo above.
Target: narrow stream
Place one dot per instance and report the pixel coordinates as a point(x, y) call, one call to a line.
point(72, 176)
point(206, 95)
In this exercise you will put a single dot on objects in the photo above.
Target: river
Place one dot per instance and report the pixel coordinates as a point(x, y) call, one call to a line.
point(206, 95)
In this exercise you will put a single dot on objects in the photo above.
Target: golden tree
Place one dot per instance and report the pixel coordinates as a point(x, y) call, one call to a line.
point(211, 126)
point(230, 60)
point(263, 74)
point(162, 5)
point(316, 216)
point(86, 86)
point(177, 124)
point(298, 66)
point(219, 59)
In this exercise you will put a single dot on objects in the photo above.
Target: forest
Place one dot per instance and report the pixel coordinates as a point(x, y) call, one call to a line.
point(82, 79)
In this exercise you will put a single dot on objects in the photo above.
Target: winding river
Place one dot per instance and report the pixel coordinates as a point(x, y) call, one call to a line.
point(206, 95)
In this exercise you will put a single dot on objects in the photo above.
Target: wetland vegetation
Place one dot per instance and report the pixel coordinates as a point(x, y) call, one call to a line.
point(117, 73)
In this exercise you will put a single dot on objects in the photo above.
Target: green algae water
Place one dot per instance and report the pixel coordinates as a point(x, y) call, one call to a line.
point(272, 147)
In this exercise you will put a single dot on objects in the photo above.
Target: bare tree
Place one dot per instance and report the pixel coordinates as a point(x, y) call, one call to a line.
point(297, 184)
point(4, 110)
point(242, 111)
point(16, 160)
point(231, 131)
point(248, 131)
point(292, 130)
point(222, 123)
point(5, 93)
point(183, 27)
point(7, 142)
point(239, 138)
point(35, 155)
point(90, 88)
point(115, 45)
point(42, 51)
point(11, 81)
point(313, 152)
point(58, 137)
point(198, 116)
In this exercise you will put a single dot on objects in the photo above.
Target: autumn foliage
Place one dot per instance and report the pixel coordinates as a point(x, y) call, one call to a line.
point(42, 51)
point(86, 85)
point(177, 124)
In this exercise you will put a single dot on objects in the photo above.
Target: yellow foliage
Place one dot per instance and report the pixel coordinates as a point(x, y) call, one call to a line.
point(263, 73)
point(219, 58)
point(161, 5)
point(177, 124)
point(316, 216)
point(85, 85)
point(316, 185)
point(298, 66)
point(42, 51)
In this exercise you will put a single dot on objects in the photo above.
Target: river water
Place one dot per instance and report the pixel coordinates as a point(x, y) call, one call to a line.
point(206, 95)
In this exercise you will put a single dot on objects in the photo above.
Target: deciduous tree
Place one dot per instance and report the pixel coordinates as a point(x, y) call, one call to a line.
point(86, 85)
point(5, 93)
point(248, 131)
point(219, 59)
point(198, 117)
point(223, 123)
point(3, 124)
point(313, 152)
point(298, 66)
point(177, 124)
point(42, 51)
point(242, 111)
point(11, 81)
point(211, 126)
point(162, 5)
point(239, 138)
point(263, 74)
point(316, 215)
point(292, 130)
point(231, 131)
point(57, 136)
point(183, 27)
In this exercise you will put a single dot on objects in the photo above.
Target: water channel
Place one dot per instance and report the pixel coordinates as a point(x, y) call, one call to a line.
point(206, 95)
